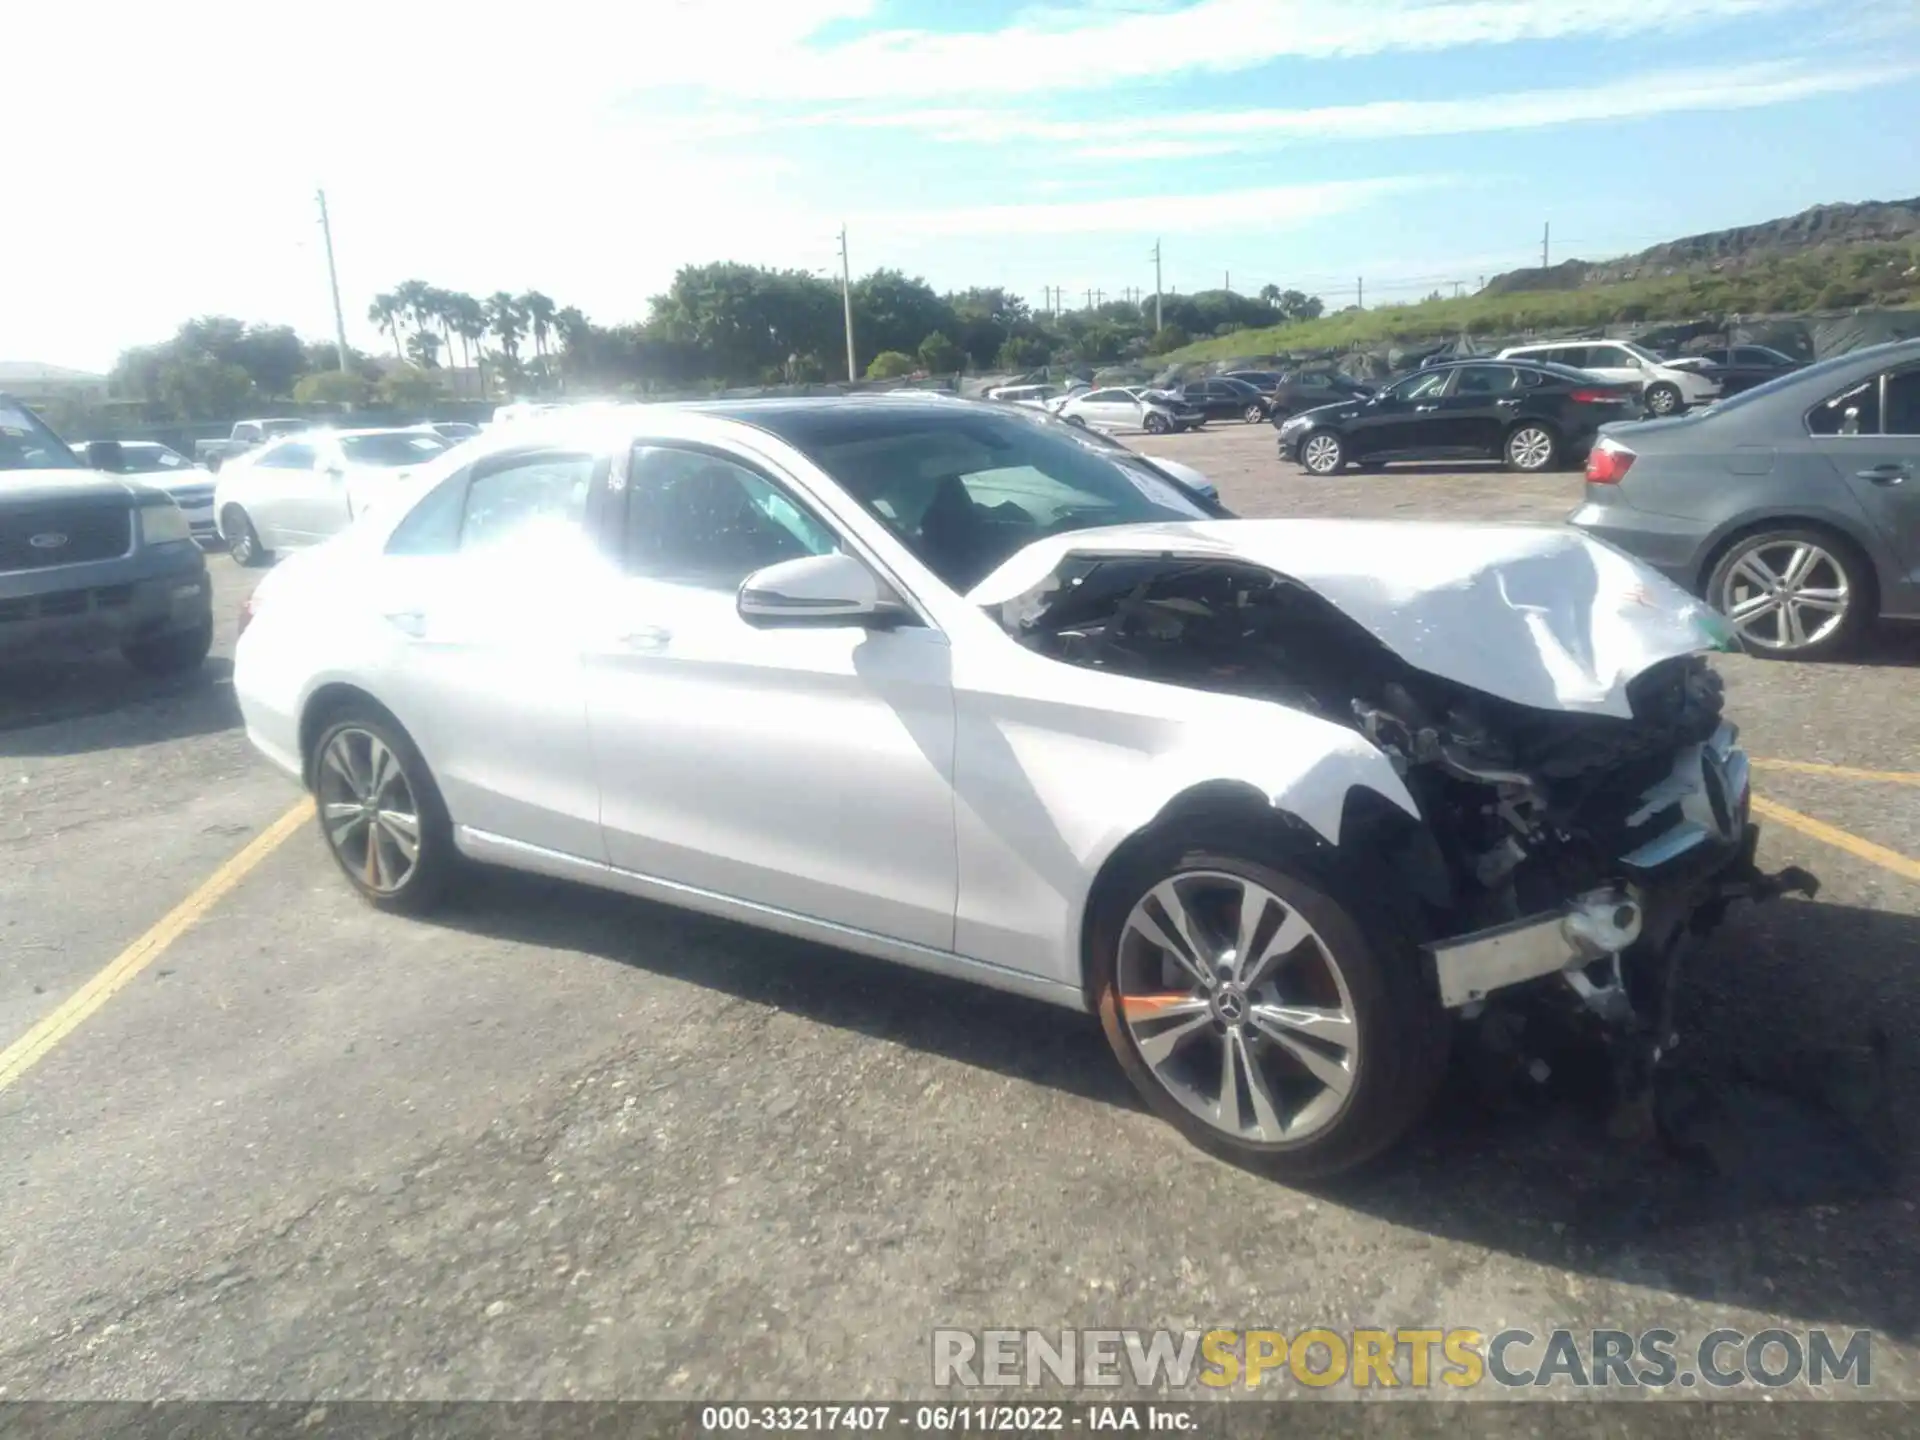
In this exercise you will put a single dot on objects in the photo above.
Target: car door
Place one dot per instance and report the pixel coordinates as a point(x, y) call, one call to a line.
point(809, 769)
point(1401, 420)
point(481, 598)
point(1615, 363)
point(1880, 463)
point(276, 485)
point(1475, 410)
point(1111, 410)
point(320, 500)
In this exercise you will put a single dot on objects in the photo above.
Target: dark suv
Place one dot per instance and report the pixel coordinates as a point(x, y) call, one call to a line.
point(90, 561)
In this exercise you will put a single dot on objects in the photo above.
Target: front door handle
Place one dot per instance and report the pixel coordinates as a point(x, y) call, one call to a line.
point(1887, 474)
point(1423, 409)
point(647, 637)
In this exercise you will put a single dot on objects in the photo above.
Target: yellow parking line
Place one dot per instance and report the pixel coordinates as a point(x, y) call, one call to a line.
point(1831, 835)
point(1840, 772)
point(20, 1056)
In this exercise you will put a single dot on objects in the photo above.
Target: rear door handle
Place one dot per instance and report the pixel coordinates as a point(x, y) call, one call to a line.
point(647, 637)
point(1887, 474)
point(1423, 409)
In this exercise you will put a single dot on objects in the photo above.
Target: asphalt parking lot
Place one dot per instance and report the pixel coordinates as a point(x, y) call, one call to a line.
point(558, 1144)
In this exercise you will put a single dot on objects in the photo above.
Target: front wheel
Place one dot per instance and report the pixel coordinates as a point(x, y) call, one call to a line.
point(1253, 1011)
point(1322, 453)
point(1155, 424)
point(1530, 449)
point(1253, 415)
point(1792, 594)
point(173, 654)
point(381, 813)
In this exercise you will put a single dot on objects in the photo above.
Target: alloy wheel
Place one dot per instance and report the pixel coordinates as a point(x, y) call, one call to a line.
point(1321, 454)
point(368, 810)
point(1785, 595)
point(1662, 400)
point(1238, 1007)
point(1530, 448)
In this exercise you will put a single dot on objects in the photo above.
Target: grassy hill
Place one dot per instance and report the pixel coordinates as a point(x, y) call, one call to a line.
point(1833, 277)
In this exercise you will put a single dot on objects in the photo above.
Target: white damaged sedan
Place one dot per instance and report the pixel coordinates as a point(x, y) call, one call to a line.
point(1279, 801)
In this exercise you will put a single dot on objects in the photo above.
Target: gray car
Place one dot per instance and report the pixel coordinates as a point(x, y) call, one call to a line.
point(93, 561)
point(1793, 507)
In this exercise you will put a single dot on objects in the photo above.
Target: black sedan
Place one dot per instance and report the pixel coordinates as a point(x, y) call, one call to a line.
point(1740, 367)
point(1532, 415)
point(1220, 397)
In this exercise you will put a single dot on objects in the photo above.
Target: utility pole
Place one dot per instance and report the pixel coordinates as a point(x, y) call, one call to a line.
point(1546, 231)
point(1089, 297)
point(846, 301)
point(1226, 281)
point(1456, 289)
point(333, 281)
point(1360, 292)
point(1156, 285)
point(1099, 298)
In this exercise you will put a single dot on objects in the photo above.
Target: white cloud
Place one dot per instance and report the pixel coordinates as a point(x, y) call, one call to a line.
point(1147, 214)
point(1097, 46)
point(1195, 133)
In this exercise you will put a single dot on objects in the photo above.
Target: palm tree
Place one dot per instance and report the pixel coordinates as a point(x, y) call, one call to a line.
point(423, 346)
point(1270, 294)
point(574, 332)
point(505, 319)
point(416, 299)
point(470, 324)
point(540, 313)
point(385, 312)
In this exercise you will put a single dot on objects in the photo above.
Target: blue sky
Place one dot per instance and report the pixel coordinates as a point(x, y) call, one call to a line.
point(1304, 143)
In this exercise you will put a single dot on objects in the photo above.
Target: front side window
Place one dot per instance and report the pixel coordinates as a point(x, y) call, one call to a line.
point(1854, 411)
point(1902, 411)
point(27, 444)
point(1416, 387)
point(696, 518)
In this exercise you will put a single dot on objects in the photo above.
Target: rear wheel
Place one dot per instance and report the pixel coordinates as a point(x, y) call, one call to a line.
point(1254, 1012)
point(381, 813)
point(242, 541)
point(1530, 448)
point(1253, 415)
point(1663, 399)
point(1155, 423)
point(1322, 453)
point(1794, 593)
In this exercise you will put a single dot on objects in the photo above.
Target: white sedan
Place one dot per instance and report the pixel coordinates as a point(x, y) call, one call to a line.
point(1277, 800)
point(301, 488)
point(1124, 409)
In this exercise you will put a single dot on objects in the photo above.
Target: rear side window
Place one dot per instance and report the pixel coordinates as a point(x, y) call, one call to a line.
point(1854, 411)
point(432, 527)
point(1486, 380)
point(528, 493)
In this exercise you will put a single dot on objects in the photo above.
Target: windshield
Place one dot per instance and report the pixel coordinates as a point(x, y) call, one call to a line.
point(399, 447)
point(1640, 352)
point(966, 489)
point(27, 444)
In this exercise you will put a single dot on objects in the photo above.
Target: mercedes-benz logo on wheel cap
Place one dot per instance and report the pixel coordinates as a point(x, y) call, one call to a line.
point(52, 540)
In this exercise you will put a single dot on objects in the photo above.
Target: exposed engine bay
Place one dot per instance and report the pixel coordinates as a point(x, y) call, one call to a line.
point(1555, 842)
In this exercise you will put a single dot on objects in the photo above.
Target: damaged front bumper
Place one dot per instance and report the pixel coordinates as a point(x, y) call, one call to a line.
point(1679, 882)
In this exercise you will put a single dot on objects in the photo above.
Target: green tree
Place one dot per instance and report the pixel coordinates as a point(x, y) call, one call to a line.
point(423, 348)
point(332, 387)
point(1171, 337)
point(272, 356)
point(539, 312)
point(384, 312)
point(1020, 352)
point(892, 312)
point(891, 365)
point(941, 356)
point(506, 321)
point(408, 386)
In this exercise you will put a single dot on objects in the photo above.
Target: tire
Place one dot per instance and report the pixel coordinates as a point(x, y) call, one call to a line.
point(1664, 399)
point(1079, 420)
point(173, 654)
point(1530, 448)
point(1322, 453)
point(1253, 415)
point(1379, 1039)
point(1815, 570)
point(349, 775)
point(243, 542)
point(1155, 424)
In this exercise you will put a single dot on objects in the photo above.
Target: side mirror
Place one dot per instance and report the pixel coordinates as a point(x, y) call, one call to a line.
point(834, 589)
point(106, 455)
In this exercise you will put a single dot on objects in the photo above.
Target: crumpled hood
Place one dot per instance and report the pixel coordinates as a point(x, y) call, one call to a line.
point(1540, 615)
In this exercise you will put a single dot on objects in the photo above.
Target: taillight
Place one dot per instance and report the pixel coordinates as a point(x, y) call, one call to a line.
point(1594, 397)
point(1608, 463)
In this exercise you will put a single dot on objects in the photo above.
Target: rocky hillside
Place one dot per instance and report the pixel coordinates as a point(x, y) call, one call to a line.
point(1718, 251)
